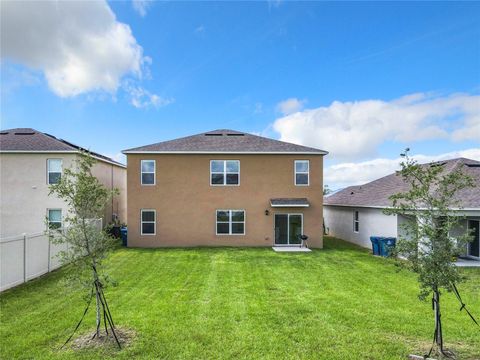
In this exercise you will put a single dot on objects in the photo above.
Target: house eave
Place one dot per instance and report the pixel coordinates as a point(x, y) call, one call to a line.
point(289, 206)
point(229, 152)
point(359, 206)
point(59, 152)
point(39, 151)
point(390, 207)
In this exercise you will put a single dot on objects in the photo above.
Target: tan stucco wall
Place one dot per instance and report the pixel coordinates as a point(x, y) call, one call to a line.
point(186, 204)
point(24, 191)
point(113, 176)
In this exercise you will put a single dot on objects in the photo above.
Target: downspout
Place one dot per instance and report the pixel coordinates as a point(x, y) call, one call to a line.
point(111, 189)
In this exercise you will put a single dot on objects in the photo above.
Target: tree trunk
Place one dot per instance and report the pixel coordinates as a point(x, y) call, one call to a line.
point(438, 320)
point(97, 298)
point(98, 312)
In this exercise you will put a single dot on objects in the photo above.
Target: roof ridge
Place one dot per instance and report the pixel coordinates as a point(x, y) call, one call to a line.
point(235, 144)
point(164, 141)
point(16, 129)
point(42, 142)
point(376, 193)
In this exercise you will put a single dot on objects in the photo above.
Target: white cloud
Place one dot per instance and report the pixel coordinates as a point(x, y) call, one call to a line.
point(118, 157)
point(78, 45)
point(200, 30)
point(141, 98)
point(274, 3)
point(290, 106)
point(13, 78)
point(346, 174)
point(354, 130)
point(141, 6)
point(471, 130)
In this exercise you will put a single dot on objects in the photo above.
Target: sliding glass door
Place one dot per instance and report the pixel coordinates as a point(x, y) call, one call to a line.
point(288, 228)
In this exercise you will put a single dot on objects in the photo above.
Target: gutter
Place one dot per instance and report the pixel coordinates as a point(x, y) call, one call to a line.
point(227, 152)
point(391, 207)
point(61, 152)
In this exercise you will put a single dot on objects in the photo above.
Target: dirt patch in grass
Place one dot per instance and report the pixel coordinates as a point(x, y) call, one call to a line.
point(421, 347)
point(86, 341)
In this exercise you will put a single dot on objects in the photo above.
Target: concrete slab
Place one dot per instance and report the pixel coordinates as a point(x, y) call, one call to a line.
point(290, 249)
point(464, 262)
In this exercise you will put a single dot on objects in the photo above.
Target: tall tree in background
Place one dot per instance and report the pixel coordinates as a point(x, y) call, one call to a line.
point(427, 244)
point(87, 244)
point(326, 190)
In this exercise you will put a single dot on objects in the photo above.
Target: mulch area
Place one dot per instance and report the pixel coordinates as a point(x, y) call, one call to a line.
point(125, 336)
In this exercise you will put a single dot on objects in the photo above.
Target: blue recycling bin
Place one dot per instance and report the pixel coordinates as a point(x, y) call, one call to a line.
point(375, 245)
point(123, 235)
point(381, 245)
point(386, 244)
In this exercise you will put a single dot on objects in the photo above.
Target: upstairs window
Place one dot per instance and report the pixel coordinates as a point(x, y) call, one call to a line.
point(356, 222)
point(230, 222)
point(148, 219)
point(54, 170)
point(224, 172)
point(148, 172)
point(54, 219)
point(302, 172)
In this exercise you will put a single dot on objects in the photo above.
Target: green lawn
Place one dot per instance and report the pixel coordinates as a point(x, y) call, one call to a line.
point(211, 303)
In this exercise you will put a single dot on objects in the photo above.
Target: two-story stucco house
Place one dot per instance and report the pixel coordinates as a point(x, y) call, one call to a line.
point(224, 188)
point(29, 162)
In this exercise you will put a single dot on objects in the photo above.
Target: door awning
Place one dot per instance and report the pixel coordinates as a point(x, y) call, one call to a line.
point(289, 202)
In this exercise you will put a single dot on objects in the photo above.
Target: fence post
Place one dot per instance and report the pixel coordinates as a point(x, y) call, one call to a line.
point(24, 257)
point(49, 256)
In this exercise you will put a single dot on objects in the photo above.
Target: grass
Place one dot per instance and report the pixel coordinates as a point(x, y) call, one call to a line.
point(335, 303)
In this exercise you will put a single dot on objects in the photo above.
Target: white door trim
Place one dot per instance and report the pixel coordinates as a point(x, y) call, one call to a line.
point(468, 245)
point(288, 228)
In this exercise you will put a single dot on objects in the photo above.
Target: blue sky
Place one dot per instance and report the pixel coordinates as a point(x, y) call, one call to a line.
point(361, 80)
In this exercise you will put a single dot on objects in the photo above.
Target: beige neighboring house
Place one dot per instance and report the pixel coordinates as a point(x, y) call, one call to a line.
point(224, 188)
point(31, 160)
point(356, 212)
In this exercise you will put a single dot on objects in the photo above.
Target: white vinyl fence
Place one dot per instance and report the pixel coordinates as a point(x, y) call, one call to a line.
point(27, 256)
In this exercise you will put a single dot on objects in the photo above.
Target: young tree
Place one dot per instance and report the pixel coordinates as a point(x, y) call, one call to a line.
point(427, 243)
point(87, 244)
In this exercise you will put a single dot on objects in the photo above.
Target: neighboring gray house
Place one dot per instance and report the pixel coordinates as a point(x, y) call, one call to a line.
point(356, 212)
point(31, 160)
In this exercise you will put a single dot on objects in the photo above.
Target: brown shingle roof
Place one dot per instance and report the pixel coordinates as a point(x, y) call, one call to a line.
point(225, 141)
point(377, 192)
point(26, 139)
point(31, 140)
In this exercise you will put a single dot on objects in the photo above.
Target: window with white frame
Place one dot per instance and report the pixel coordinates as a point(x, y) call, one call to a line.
point(302, 172)
point(148, 172)
point(148, 222)
point(356, 222)
point(224, 172)
point(54, 170)
point(230, 222)
point(54, 219)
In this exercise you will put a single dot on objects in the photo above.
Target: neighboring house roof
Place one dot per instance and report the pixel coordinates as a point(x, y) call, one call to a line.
point(377, 192)
point(27, 140)
point(289, 202)
point(225, 141)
